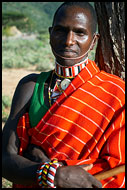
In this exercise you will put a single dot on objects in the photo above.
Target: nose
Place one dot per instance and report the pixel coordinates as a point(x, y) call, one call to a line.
point(70, 39)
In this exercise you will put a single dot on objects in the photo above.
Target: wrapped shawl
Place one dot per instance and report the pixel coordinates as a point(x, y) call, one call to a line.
point(85, 125)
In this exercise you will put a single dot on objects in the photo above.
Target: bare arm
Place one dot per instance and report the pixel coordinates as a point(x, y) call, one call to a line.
point(22, 170)
point(16, 168)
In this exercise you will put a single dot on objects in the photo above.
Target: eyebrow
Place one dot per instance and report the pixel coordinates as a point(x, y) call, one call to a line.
point(65, 27)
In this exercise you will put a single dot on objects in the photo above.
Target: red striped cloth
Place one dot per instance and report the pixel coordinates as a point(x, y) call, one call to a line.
point(85, 125)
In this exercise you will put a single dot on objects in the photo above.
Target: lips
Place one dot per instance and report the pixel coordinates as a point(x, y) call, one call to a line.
point(67, 52)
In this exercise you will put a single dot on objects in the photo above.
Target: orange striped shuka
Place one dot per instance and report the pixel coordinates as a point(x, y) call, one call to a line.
point(85, 125)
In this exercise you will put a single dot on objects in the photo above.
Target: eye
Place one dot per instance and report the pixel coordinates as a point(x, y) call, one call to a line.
point(80, 32)
point(59, 30)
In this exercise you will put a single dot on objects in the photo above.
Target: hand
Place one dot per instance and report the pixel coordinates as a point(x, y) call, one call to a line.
point(35, 153)
point(75, 177)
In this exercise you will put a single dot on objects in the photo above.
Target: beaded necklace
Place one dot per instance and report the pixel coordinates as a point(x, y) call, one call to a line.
point(64, 76)
point(49, 89)
point(69, 71)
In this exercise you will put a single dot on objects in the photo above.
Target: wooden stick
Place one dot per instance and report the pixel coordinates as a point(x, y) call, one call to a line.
point(109, 173)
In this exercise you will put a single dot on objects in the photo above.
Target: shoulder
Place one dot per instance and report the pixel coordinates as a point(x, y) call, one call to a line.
point(112, 79)
point(113, 84)
point(32, 78)
point(23, 94)
point(26, 85)
point(29, 78)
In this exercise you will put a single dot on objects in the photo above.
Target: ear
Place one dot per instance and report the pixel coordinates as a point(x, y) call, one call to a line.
point(50, 30)
point(95, 38)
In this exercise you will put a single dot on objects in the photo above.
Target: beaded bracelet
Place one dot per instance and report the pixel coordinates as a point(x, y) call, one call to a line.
point(46, 173)
point(39, 173)
point(51, 174)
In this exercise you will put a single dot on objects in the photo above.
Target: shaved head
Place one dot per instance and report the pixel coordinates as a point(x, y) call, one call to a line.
point(84, 5)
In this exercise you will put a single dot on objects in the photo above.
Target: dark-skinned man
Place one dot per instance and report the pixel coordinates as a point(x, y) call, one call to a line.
point(68, 124)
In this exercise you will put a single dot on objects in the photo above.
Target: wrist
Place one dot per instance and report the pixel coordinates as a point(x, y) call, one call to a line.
point(51, 175)
point(56, 178)
point(46, 174)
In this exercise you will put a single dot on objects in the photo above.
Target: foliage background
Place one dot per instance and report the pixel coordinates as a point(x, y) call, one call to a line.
point(28, 16)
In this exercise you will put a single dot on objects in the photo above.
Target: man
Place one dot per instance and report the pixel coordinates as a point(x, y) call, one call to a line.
point(74, 114)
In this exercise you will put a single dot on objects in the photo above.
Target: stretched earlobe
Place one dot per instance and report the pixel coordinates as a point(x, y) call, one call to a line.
point(95, 38)
point(97, 35)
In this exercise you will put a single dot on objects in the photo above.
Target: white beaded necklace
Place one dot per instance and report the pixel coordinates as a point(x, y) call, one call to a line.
point(69, 71)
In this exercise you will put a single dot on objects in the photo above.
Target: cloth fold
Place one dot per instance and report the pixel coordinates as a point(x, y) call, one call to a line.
point(85, 125)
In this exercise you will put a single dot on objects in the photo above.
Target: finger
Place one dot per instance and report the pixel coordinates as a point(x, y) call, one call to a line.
point(95, 182)
point(87, 167)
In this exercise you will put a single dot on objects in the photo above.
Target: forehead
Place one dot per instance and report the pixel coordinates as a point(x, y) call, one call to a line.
point(73, 15)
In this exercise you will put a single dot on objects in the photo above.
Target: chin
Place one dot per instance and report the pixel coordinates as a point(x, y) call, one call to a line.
point(66, 62)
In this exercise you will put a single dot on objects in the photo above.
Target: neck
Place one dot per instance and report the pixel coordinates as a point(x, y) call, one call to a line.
point(69, 71)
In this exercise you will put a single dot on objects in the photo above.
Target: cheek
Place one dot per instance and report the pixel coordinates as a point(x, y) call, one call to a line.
point(54, 41)
point(84, 45)
point(51, 41)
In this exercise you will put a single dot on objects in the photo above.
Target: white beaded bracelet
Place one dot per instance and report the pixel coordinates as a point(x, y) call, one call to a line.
point(51, 174)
